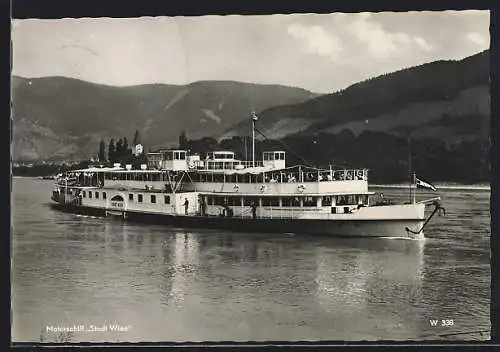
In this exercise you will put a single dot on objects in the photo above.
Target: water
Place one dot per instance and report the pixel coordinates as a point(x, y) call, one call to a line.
point(164, 284)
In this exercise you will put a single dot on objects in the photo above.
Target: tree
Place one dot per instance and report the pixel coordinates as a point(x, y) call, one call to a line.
point(126, 151)
point(183, 141)
point(111, 151)
point(119, 149)
point(102, 151)
point(136, 138)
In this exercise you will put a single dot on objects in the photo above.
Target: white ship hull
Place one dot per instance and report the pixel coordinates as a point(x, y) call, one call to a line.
point(375, 221)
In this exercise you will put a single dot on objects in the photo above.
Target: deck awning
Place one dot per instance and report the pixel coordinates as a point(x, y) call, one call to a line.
point(245, 171)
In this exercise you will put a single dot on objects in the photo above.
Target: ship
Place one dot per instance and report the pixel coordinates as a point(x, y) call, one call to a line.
point(182, 189)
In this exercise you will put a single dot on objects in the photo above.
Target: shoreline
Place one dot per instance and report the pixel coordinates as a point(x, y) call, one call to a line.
point(465, 187)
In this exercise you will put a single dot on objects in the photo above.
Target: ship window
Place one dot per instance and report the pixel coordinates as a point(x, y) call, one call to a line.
point(247, 201)
point(210, 201)
point(266, 156)
point(341, 200)
point(130, 196)
point(182, 155)
point(219, 200)
point(290, 202)
point(167, 199)
point(153, 198)
point(353, 199)
point(270, 202)
point(326, 201)
point(139, 198)
point(218, 178)
point(309, 201)
point(103, 195)
point(84, 194)
point(96, 195)
point(363, 199)
point(347, 200)
point(90, 194)
point(234, 201)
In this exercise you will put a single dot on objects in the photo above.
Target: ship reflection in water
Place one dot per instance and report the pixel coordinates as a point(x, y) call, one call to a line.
point(173, 285)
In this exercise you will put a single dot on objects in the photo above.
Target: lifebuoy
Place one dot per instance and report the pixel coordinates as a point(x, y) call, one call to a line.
point(262, 188)
point(301, 188)
point(236, 188)
point(191, 165)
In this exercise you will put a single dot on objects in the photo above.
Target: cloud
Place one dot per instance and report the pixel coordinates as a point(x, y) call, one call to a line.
point(423, 44)
point(181, 50)
point(317, 41)
point(478, 39)
point(381, 43)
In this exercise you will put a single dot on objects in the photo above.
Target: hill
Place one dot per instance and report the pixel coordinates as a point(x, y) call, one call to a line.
point(446, 100)
point(59, 118)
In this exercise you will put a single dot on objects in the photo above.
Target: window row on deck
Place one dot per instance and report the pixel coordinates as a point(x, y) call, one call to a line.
point(139, 197)
point(293, 201)
point(277, 176)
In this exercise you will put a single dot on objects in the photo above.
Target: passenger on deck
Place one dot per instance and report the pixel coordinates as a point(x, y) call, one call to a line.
point(329, 177)
point(202, 207)
point(254, 210)
point(229, 212)
point(186, 206)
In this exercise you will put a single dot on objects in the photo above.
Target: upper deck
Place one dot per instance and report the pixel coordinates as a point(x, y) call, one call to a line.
point(221, 172)
point(180, 160)
point(259, 180)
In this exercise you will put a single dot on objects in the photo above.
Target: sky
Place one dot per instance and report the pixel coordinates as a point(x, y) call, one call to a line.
point(318, 52)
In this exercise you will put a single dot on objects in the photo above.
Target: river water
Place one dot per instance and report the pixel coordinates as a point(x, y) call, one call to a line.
point(169, 284)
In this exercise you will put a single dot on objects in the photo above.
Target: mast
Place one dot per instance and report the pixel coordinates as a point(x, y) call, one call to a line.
point(415, 186)
point(410, 173)
point(254, 118)
point(246, 154)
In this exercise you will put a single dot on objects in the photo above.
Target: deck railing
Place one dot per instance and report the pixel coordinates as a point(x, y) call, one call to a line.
point(226, 164)
point(291, 175)
point(285, 176)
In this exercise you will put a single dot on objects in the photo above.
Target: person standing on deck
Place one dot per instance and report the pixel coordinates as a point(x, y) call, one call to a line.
point(200, 202)
point(186, 206)
point(254, 210)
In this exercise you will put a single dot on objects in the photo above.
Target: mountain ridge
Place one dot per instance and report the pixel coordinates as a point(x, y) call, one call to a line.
point(48, 112)
point(430, 89)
